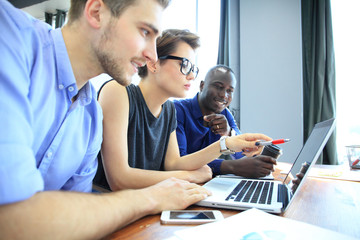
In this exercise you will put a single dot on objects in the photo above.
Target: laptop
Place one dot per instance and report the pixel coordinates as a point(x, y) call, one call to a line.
point(268, 195)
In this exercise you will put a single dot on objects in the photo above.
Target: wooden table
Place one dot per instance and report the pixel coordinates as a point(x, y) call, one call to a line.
point(328, 203)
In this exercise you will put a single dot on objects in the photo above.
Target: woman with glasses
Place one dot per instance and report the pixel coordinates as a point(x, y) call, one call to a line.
point(140, 147)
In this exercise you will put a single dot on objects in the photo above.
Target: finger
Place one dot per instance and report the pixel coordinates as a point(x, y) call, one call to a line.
point(219, 119)
point(209, 117)
point(296, 181)
point(249, 145)
point(270, 167)
point(262, 172)
point(256, 136)
point(199, 190)
point(258, 151)
point(214, 123)
point(196, 189)
point(251, 150)
point(216, 128)
point(194, 198)
point(267, 172)
point(267, 159)
point(189, 186)
point(266, 165)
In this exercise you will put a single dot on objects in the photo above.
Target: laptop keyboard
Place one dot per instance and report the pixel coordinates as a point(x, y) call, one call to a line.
point(252, 192)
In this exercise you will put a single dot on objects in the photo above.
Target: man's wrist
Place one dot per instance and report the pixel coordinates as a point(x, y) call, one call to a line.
point(226, 167)
point(233, 167)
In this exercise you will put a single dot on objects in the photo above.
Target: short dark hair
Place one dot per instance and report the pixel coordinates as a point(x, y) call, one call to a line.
point(219, 67)
point(169, 40)
point(116, 7)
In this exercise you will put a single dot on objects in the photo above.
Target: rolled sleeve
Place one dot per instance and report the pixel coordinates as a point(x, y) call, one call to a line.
point(19, 176)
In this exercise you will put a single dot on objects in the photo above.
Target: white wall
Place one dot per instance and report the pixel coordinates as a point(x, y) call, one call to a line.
point(271, 71)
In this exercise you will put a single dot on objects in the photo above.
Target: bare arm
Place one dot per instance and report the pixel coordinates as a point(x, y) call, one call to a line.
point(69, 215)
point(115, 104)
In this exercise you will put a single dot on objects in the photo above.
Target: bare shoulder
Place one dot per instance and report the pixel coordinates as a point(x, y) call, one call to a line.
point(113, 94)
point(113, 97)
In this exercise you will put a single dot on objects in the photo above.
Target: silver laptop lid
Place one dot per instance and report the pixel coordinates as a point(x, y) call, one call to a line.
point(310, 151)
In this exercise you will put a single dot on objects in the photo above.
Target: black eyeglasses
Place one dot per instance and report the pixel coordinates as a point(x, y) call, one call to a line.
point(186, 65)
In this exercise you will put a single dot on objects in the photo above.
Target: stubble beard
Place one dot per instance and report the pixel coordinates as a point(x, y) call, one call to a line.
point(113, 68)
point(109, 63)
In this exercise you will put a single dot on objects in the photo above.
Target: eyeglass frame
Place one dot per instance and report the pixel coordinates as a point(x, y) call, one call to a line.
point(192, 69)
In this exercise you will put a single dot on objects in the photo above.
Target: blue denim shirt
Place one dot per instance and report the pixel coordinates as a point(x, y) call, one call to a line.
point(46, 141)
point(193, 136)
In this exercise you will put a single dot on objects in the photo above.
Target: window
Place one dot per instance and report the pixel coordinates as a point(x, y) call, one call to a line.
point(201, 17)
point(198, 16)
point(345, 21)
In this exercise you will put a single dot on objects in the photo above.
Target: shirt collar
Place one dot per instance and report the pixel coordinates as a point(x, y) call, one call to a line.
point(196, 107)
point(86, 94)
point(65, 75)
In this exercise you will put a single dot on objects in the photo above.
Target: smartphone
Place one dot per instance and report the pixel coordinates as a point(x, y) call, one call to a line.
point(190, 216)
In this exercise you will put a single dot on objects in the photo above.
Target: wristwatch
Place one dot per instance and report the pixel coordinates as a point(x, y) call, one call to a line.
point(223, 149)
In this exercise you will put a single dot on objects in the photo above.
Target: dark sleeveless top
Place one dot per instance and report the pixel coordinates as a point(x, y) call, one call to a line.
point(148, 136)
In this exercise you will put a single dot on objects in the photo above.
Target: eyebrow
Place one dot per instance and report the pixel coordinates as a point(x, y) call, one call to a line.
point(220, 82)
point(153, 28)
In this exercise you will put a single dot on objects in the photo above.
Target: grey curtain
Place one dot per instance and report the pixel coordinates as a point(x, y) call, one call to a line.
point(49, 18)
point(319, 71)
point(223, 52)
point(229, 35)
point(60, 18)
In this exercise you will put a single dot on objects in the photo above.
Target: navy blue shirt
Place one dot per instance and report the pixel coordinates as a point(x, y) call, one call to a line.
point(191, 133)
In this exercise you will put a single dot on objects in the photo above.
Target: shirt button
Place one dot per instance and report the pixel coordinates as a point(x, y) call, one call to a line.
point(71, 89)
point(61, 86)
point(49, 155)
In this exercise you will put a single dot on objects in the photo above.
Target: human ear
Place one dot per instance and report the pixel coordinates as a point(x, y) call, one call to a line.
point(201, 85)
point(92, 12)
point(152, 66)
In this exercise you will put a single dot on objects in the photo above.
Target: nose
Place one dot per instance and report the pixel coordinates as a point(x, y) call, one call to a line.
point(150, 51)
point(222, 93)
point(190, 76)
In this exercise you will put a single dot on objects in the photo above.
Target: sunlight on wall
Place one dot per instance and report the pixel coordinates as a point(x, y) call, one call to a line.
point(346, 20)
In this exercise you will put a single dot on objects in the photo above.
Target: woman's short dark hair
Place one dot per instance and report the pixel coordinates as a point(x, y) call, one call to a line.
point(168, 42)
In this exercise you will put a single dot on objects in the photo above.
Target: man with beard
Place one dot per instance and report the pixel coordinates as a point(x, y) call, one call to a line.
point(205, 119)
point(52, 124)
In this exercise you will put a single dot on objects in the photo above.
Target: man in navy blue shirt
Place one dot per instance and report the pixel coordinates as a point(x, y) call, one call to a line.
point(205, 118)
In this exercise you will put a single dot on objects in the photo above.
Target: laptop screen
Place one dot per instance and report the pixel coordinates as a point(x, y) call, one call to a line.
point(312, 148)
